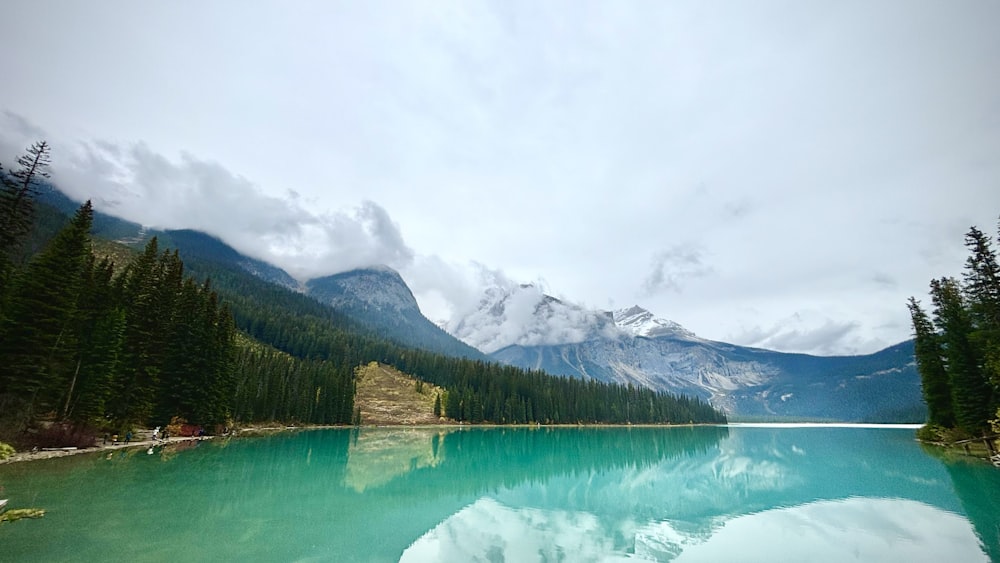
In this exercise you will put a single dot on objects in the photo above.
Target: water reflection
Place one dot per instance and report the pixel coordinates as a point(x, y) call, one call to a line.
point(512, 494)
point(376, 457)
point(976, 486)
point(857, 529)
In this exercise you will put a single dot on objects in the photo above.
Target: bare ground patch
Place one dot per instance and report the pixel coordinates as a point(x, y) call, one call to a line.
point(387, 396)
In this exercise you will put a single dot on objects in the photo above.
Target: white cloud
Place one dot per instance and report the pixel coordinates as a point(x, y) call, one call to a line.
point(794, 149)
point(673, 268)
point(808, 332)
point(522, 314)
point(144, 186)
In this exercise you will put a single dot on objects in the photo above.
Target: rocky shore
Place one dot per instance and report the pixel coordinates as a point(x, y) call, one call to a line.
point(138, 444)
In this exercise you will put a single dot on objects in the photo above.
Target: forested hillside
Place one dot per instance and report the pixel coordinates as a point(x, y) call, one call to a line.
point(92, 343)
point(479, 391)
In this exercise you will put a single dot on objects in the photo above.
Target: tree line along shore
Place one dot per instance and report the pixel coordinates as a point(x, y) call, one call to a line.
point(957, 349)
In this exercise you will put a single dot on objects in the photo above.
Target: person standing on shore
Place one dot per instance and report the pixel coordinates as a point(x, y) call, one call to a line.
point(156, 433)
point(128, 437)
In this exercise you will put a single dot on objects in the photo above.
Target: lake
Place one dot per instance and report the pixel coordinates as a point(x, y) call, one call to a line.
point(740, 493)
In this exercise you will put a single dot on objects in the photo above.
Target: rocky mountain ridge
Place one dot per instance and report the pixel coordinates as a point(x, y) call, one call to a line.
point(633, 346)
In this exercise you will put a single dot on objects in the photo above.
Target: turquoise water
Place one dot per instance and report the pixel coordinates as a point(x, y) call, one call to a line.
point(517, 495)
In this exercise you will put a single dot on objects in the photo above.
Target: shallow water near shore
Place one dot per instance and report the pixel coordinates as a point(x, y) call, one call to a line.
point(513, 494)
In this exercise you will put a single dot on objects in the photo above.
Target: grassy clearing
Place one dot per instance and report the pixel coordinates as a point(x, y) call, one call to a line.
point(387, 396)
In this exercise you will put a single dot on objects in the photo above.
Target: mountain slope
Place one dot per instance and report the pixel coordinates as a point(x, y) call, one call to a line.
point(376, 300)
point(201, 246)
point(379, 299)
point(525, 316)
point(386, 396)
point(632, 346)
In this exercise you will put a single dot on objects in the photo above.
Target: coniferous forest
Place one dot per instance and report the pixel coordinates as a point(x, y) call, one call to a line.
point(957, 345)
point(110, 346)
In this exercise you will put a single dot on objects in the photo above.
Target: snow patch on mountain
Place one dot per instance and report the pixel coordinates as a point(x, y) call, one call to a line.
point(639, 322)
point(523, 315)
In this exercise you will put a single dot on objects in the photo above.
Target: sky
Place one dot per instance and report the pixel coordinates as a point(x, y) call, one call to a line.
point(775, 174)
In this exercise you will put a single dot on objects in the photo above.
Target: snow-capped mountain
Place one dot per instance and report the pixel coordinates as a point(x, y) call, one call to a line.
point(523, 315)
point(522, 326)
point(639, 322)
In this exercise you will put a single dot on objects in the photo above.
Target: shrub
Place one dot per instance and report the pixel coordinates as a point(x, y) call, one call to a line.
point(939, 434)
point(6, 450)
point(63, 436)
point(176, 426)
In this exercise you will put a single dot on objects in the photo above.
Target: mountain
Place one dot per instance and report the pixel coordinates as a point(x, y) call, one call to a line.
point(521, 326)
point(196, 245)
point(378, 298)
point(104, 226)
point(192, 244)
point(640, 322)
point(523, 315)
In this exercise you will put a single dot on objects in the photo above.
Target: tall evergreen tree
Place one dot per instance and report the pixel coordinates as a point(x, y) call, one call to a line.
point(17, 196)
point(982, 291)
point(18, 193)
point(100, 328)
point(971, 396)
point(143, 346)
point(36, 339)
point(930, 363)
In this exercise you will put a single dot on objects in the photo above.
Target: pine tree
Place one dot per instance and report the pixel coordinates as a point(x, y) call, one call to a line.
point(19, 190)
point(36, 348)
point(99, 326)
point(971, 397)
point(453, 405)
point(180, 387)
point(17, 195)
point(982, 291)
point(142, 348)
point(930, 363)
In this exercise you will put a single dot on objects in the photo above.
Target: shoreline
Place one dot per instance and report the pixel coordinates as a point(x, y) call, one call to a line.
point(143, 444)
point(20, 457)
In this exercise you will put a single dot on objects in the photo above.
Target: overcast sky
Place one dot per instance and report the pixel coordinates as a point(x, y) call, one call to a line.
point(778, 174)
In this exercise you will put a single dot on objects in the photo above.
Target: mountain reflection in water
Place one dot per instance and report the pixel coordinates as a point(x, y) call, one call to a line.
point(515, 494)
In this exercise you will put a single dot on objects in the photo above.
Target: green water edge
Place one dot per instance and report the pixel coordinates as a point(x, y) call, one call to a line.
point(515, 494)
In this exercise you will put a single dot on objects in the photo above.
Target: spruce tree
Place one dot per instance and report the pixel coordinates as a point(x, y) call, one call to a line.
point(37, 344)
point(982, 291)
point(18, 193)
point(17, 196)
point(971, 396)
point(142, 348)
point(99, 326)
point(935, 384)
